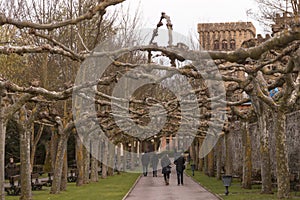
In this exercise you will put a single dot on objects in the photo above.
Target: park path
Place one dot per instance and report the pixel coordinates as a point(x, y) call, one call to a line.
point(154, 188)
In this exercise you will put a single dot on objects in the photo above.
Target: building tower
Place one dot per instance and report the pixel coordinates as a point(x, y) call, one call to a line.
point(225, 36)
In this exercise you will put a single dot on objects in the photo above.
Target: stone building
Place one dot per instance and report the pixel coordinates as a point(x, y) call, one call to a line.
point(225, 36)
point(284, 21)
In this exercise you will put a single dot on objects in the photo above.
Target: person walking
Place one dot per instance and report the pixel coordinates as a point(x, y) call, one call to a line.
point(179, 162)
point(11, 168)
point(166, 168)
point(154, 163)
point(145, 162)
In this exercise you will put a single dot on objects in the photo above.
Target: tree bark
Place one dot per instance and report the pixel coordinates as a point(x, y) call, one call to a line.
point(197, 149)
point(201, 161)
point(86, 162)
point(47, 164)
point(79, 161)
point(2, 150)
point(94, 161)
point(53, 148)
point(247, 156)
point(125, 153)
point(34, 143)
point(211, 163)
point(111, 157)
point(59, 163)
point(282, 167)
point(105, 159)
point(119, 158)
point(26, 193)
point(265, 155)
point(132, 159)
point(192, 152)
point(219, 158)
point(228, 155)
point(64, 175)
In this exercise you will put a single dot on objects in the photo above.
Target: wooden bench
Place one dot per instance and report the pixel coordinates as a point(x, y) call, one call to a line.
point(14, 188)
point(48, 182)
point(35, 183)
point(295, 182)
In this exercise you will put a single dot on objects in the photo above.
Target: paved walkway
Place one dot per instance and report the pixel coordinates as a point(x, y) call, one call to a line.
point(154, 188)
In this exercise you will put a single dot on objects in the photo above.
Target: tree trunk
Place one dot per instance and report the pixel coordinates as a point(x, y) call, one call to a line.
point(247, 158)
point(64, 175)
point(119, 158)
point(59, 163)
point(265, 155)
point(79, 161)
point(26, 193)
point(34, 142)
point(94, 161)
point(104, 159)
point(111, 164)
point(47, 163)
point(132, 159)
point(125, 150)
point(228, 155)
point(197, 149)
point(201, 161)
point(219, 158)
point(2, 150)
point(53, 148)
point(282, 167)
point(210, 163)
point(205, 165)
point(192, 152)
point(86, 162)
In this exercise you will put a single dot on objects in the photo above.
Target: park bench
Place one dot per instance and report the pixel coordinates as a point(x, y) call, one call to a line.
point(294, 182)
point(48, 182)
point(73, 175)
point(14, 188)
point(35, 183)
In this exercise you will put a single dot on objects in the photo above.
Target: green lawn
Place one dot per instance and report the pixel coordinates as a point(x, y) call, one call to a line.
point(235, 191)
point(112, 188)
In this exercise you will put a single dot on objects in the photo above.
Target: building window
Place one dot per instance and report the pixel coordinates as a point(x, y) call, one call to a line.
point(224, 45)
point(232, 44)
point(216, 45)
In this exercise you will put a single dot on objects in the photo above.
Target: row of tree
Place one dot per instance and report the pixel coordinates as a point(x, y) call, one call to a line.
point(54, 42)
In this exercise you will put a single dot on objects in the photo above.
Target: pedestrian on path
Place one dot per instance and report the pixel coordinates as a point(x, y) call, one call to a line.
point(166, 168)
point(145, 162)
point(180, 167)
point(154, 163)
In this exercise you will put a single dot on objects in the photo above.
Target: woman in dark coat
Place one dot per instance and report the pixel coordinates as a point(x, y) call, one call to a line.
point(166, 168)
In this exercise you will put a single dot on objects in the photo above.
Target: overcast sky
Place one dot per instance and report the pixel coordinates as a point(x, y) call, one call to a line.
point(186, 14)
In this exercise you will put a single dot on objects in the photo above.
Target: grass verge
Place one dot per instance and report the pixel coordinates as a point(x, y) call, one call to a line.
point(235, 191)
point(113, 188)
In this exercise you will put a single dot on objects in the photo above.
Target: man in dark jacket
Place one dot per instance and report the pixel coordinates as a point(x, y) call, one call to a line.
point(179, 162)
point(145, 163)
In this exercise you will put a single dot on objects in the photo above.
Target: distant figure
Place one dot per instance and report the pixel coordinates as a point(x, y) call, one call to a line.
point(145, 163)
point(166, 168)
point(179, 162)
point(11, 168)
point(154, 163)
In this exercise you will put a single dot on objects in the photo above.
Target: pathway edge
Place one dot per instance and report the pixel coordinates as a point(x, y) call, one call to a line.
point(204, 187)
point(132, 187)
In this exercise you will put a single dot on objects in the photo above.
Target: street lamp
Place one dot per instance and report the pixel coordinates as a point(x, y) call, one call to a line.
point(226, 182)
